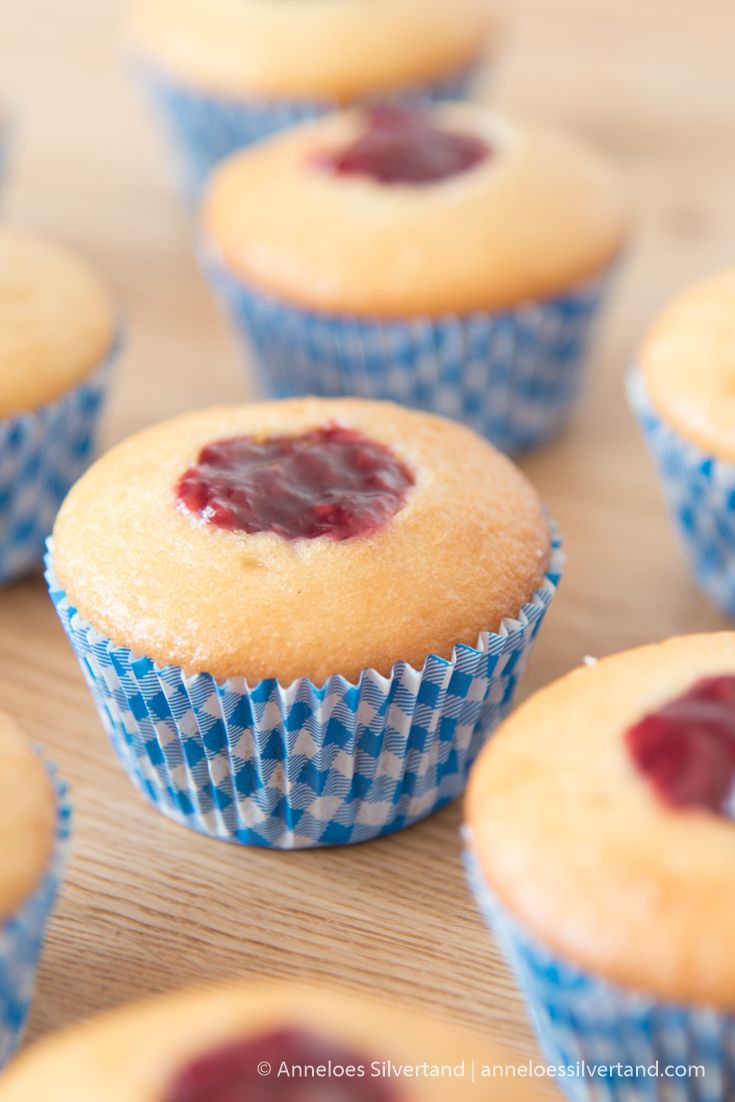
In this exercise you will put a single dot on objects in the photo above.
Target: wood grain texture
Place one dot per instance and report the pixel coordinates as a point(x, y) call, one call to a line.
point(148, 906)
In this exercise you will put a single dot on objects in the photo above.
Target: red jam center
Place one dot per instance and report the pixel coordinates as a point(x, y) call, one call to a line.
point(288, 1065)
point(331, 482)
point(687, 748)
point(399, 146)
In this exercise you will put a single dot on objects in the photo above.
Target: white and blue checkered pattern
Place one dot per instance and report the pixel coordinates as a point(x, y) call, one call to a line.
point(301, 766)
point(21, 936)
point(42, 453)
point(202, 129)
point(512, 376)
point(700, 494)
point(581, 1019)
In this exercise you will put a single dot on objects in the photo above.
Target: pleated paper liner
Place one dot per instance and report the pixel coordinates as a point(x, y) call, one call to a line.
point(303, 765)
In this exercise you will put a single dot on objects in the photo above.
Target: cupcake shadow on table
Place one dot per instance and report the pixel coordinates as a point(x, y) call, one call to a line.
point(221, 76)
point(599, 843)
point(57, 350)
point(312, 616)
point(453, 260)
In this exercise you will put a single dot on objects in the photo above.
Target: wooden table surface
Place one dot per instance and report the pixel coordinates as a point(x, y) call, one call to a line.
point(148, 906)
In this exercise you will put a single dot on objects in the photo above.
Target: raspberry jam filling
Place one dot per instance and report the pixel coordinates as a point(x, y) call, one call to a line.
point(400, 146)
point(687, 748)
point(331, 481)
point(287, 1065)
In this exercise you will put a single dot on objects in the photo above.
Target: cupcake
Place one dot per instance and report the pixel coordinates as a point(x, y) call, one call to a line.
point(34, 826)
point(601, 842)
point(300, 620)
point(682, 390)
point(273, 1043)
point(5, 143)
point(225, 73)
point(451, 260)
point(56, 346)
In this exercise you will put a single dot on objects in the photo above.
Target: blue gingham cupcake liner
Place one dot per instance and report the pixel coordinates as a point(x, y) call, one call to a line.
point(298, 766)
point(203, 128)
point(700, 495)
point(42, 453)
point(22, 935)
point(614, 1044)
point(513, 375)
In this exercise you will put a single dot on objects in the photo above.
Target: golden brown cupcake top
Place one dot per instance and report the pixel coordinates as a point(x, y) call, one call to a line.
point(315, 49)
point(27, 818)
point(688, 365)
point(463, 545)
point(56, 322)
point(538, 214)
point(597, 855)
point(138, 1054)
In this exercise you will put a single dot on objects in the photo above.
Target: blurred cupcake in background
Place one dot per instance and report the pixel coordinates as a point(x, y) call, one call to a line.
point(5, 144)
point(34, 828)
point(225, 73)
point(300, 620)
point(263, 1042)
point(57, 343)
point(601, 847)
point(682, 390)
point(450, 259)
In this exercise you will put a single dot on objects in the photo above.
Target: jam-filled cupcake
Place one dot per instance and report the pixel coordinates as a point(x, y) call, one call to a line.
point(34, 826)
point(273, 1043)
point(225, 73)
point(682, 390)
point(452, 260)
point(602, 842)
point(57, 338)
point(299, 620)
